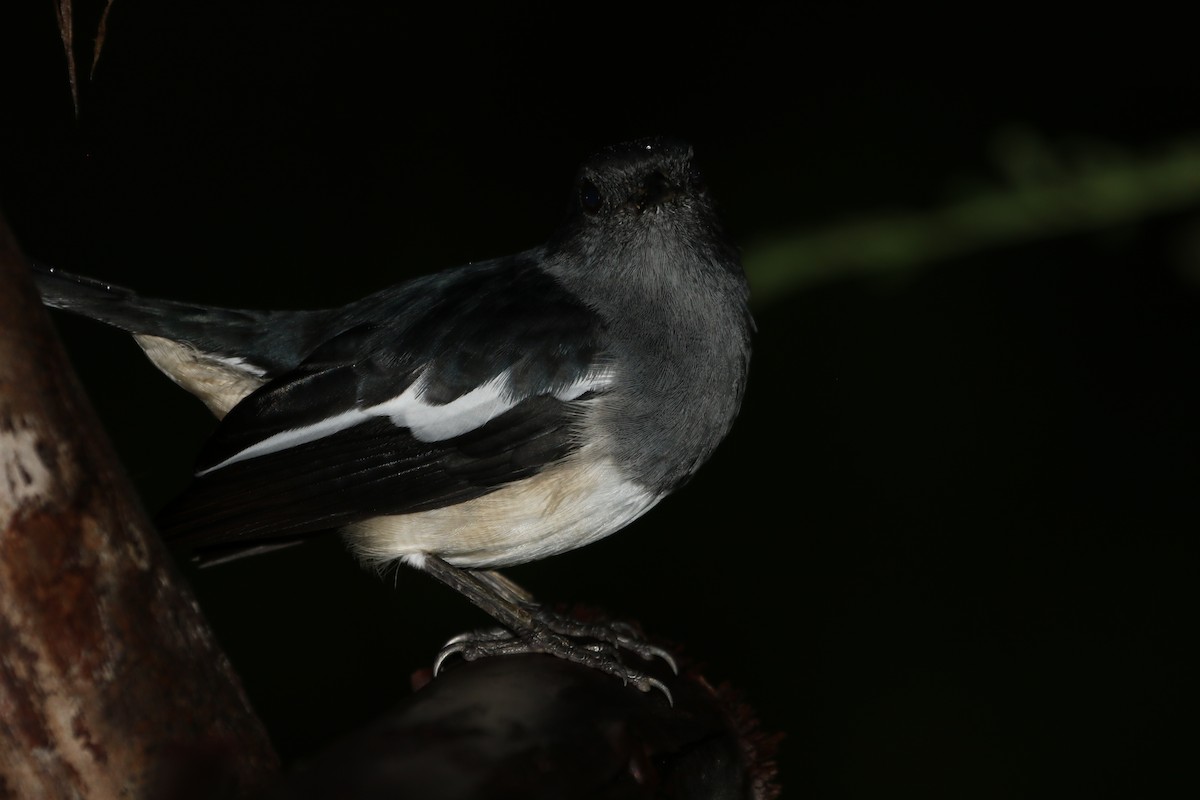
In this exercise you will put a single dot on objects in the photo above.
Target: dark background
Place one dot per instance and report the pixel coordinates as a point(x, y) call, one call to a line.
point(948, 550)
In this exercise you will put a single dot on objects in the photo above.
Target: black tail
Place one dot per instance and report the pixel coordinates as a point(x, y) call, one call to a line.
point(113, 305)
point(272, 340)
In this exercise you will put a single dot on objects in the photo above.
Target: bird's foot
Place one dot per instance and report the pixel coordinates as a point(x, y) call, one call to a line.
point(617, 634)
point(594, 645)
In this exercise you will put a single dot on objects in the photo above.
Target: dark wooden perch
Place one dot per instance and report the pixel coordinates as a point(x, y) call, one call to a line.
point(535, 727)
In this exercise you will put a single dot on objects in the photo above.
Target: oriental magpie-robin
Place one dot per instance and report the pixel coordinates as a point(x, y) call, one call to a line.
point(483, 416)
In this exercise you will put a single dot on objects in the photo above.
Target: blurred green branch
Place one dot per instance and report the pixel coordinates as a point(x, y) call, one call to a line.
point(1044, 198)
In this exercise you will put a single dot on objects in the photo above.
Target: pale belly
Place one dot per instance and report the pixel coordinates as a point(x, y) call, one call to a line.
point(566, 506)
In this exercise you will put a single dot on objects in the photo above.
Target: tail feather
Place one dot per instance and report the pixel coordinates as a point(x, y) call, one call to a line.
point(273, 341)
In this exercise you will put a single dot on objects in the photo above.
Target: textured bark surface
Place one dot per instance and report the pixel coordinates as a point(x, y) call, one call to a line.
point(111, 684)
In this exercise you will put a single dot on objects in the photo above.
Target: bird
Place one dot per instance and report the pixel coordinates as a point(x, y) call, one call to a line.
point(477, 417)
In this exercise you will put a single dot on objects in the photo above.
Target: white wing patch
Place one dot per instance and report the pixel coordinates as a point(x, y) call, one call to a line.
point(428, 422)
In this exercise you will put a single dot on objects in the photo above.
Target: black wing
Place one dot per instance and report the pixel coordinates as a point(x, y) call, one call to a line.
point(372, 469)
point(318, 448)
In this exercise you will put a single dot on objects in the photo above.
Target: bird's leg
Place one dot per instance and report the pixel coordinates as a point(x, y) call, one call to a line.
point(506, 587)
point(530, 628)
point(616, 633)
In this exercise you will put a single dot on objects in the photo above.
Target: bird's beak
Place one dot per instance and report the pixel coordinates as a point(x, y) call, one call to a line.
point(654, 192)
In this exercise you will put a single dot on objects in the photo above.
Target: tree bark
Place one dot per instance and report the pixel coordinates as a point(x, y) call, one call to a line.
point(111, 684)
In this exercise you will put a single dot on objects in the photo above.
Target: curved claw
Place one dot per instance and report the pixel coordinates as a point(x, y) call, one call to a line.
point(665, 656)
point(464, 642)
point(646, 650)
point(457, 639)
point(662, 687)
point(455, 645)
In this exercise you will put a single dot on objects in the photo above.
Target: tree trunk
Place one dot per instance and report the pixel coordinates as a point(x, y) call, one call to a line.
point(111, 684)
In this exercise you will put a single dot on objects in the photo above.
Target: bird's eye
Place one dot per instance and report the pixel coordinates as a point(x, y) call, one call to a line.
point(696, 177)
point(589, 197)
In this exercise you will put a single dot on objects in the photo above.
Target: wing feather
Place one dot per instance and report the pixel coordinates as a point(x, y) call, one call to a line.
point(328, 443)
point(371, 469)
